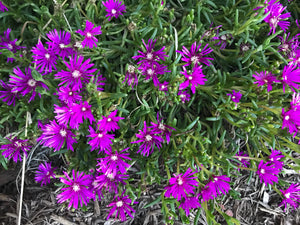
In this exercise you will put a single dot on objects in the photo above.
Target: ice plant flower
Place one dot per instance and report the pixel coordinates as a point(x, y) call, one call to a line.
point(99, 81)
point(114, 161)
point(150, 56)
point(110, 123)
point(55, 135)
point(218, 185)
point(164, 86)
point(79, 112)
point(78, 74)
point(152, 70)
point(59, 43)
point(77, 190)
point(243, 162)
point(114, 8)
point(184, 96)
point(265, 77)
point(267, 173)
point(68, 95)
point(131, 76)
point(274, 158)
point(290, 75)
point(289, 46)
point(162, 129)
point(3, 7)
point(194, 79)
point(149, 140)
point(110, 181)
point(235, 96)
point(44, 173)
point(24, 83)
point(291, 120)
point(15, 149)
point(100, 139)
point(222, 39)
point(189, 203)
point(8, 95)
point(196, 55)
point(120, 206)
point(291, 196)
point(182, 185)
point(89, 33)
point(45, 59)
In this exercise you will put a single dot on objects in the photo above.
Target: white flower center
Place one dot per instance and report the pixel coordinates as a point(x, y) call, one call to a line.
point(149, 56)
point(76, 187)
point(110, 176)
point(131, 69)
point(88, 35)
point(10, 46)
point(223, 37)
point(179, 181)
point(215, 179)
point(47, 56)
point(18, 144)
point(31, 82)
point(163, 86)
point(274, 21)
point(63, 132)
point(262, 171)
point(233, 97)
point(194, 59)
point(61, 45)
point(285, 47)
point(182, 96)
point(114, 157)
point(245, 48)
point(161, 126)
point(190, 77)
point(119, 204)
point(287, 195)
point(148, 137)
point(113, 11)
point(109, 119)
point(70, 93)
point(100, 135)
point(76, 74)
point(83, 109)
point(150, 72)
point(287, 117)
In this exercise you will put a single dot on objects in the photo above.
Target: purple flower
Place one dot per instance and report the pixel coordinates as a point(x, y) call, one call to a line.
point(290, 75)
point(243, 162)
point(182, 185)
point(24, 83)
point(109, 123)
point(288, 46)
point(194, 57)
point(77, 191)
point(98, 81)
point(131, 76)
point(274, 158)
point(68, 95)
point(184, 96)
point(295, 103)
point(295, 56)
point(88, 33)
point(265, 78)
point(152, 70)
point(79, 72)
point(267, 173)
point(100, 140)
point(9, 94)
point(55, 135)
point(45, 59)
point(114, 162)
point(150, 56)
point(59, 43)
point(162, 129)
point(235, 96)
point(44, 173)
point(164, 86)
point(121, 205)
point(291, 120)
point(15, 149)
point(194, 79)
point(149, 140)
point(114, 8)
point(190, 203)
point(222, 39)
point(110, 181)
point(3, 7)
point(79, 112)
point(291, 196)
point(217, 186)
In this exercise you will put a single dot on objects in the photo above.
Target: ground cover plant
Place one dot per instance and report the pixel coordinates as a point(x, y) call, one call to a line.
point(185, 95)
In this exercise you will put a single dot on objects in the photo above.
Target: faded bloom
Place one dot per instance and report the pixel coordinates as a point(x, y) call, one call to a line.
point(77, 190)
point(88, 33)
point(131, 76)
point(114, 8)
point(44, 173)
point(184, 96)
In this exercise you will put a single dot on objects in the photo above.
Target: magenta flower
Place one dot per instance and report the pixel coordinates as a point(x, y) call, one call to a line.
point(152, 70)
point(235, 96)
point(295, 56)
point(99, 81)
point(267, 173)
point(121, 205)
point(150, 56)
point(9, 94)
point(64, 114)
point(100, 139)
point(78, 74)
point(194, 79)
point(15, 149)
point(44, 173)
point(114, 8)
point(274, 158)
point(190, 203)
point(114, 162)
point(162, 129)
point(110, 181)
point(55, 135)
point(295, 103)
point(149, 140)
point(131, 76)
point(291, 120)
point(194, 57)
point(217, 186)
point(77, 191)
point(79, 112)
point(289, 46)
point(45, 59)
point(59, 43)
point(88, 33)
point(265, 78)
point(68, 95)
point(3, 7)
point(290, 75)
point(184, 96)
point(182, 185)
point(164, 86)
point(291, 196)
point(110, 123)
point(243, 162)
point(24, 83)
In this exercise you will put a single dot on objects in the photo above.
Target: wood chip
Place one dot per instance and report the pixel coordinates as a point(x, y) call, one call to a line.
point(61, 220)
